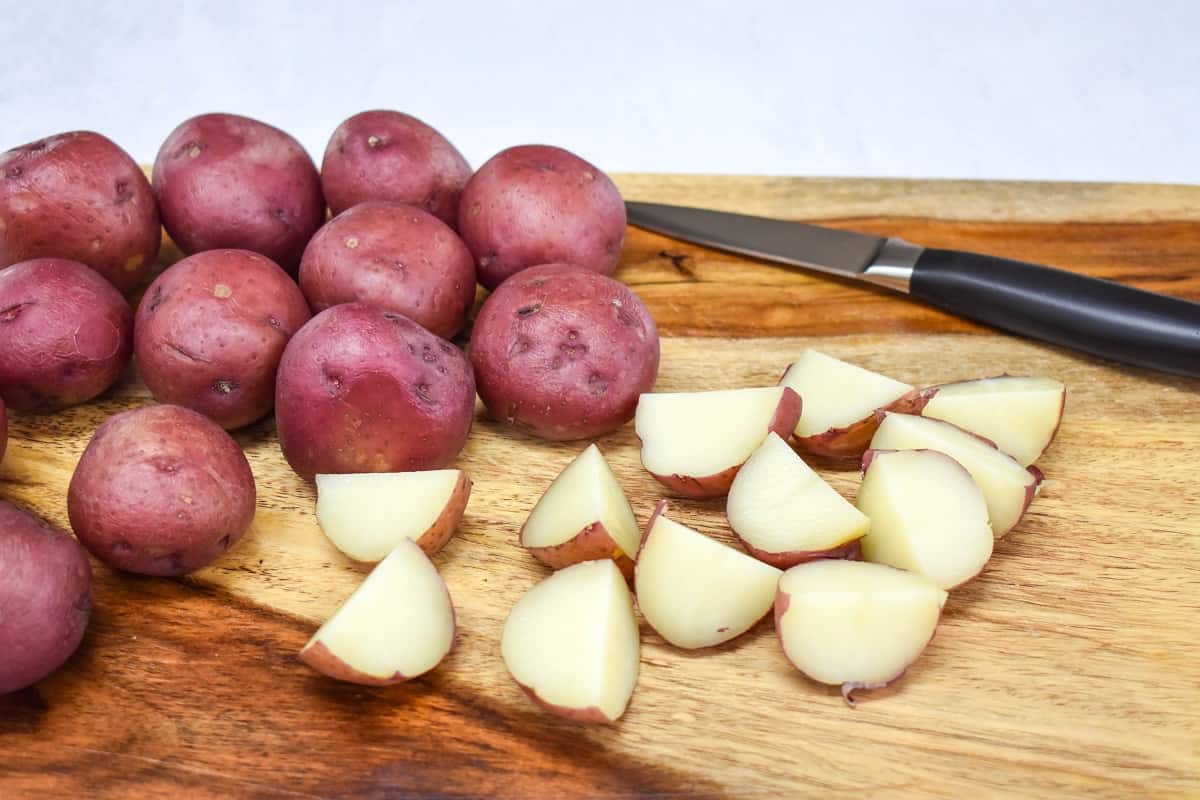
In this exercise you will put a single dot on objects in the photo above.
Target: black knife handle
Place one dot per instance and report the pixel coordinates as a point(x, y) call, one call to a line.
point(1097, 316)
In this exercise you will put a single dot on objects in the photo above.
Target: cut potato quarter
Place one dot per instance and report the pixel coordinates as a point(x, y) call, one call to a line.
point(784, 513)
point(855, 624)
point(571, 642)
point(695, 591)
point(840, 400)
point(397, 625)
point(582, 516)
point(367, 514)
point(927, 515)
point(1007, 487)
point(694, 442)
point(1020, 414)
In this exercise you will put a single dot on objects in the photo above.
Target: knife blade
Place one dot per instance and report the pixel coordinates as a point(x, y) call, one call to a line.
point(1095, 316)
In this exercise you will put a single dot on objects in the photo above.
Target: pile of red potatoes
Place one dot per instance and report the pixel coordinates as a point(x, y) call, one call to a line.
point(341, 326)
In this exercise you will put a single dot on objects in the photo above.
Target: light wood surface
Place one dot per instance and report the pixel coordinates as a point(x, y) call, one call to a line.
point(1071, 667)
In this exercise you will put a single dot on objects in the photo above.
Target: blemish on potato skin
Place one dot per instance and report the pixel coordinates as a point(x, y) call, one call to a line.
point(421, 390)
point(475, 209)
point(11, 313)
point(352, 242)
point(375, 142)
point(222, 291)
point(224, 386)
point(133, 262)
point(529, 310)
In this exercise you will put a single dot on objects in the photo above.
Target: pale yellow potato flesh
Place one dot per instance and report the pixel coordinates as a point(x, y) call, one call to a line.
point(703, 433)
point(365, 515)
point(398, 624)
point(926, 515)
point(1019, 414)
point(836, 393)
point(853, 622)
point(585, 492)
point(1006, 485)
point(697, 592)
point(572, 642)
point(779, 504)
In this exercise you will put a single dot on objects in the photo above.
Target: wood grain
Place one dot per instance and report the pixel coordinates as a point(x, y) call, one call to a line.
point(1070, 668)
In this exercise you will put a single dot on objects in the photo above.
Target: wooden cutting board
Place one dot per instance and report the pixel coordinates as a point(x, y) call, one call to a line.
point(1070, 668)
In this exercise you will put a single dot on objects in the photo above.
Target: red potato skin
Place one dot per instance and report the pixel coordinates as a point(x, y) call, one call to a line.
point(79, 196)
point(446, 524)
point(225, 181)
point(65, 334)
point(850, 551)
point(393, 256)
point(591, 714)
point(160, 490)
point(563, 353)
point(360, 389)
point(387, 155)
point(536, 204)
point(45, 597)
point(787, 414)
point(852, 440)
point(592, 543)
point(210, 331)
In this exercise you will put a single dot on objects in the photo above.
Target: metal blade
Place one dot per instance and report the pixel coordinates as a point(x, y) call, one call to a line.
point(823, 249)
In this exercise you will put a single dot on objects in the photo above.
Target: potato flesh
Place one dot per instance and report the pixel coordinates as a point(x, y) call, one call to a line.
point(697, 592)
point(367, 514)
point(926, 515)
point(778, 504)
point(1019, 414)
point(836, 393)
point(573, 639)
point(856, 622)
point(398, 622)
point(584, 493)
point(1006, 485)
point(703, 433)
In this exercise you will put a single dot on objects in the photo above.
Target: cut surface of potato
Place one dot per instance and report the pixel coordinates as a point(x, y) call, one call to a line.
point(694, 442)
point(1020, 414)
point(1007, 487)
point(784, 513)
point(367, 514)
point(695, 591)
point(837, 393)
point(571, 642)
point(397, 625)
point(583, 515)
point(854, 623)
point(927, 516)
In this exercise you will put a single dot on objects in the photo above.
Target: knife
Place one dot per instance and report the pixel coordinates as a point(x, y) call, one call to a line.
point(1096, 316)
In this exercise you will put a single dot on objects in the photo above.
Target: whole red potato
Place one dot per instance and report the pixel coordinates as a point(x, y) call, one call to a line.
point(45, 597)
point(537, 204)
point(563, 353)
point(160, 490)
point(81, 197)
point(386, 155)
point(361, 389)
point(225, 181)
point(65, 334)
point(393, 256)
point(210, 331)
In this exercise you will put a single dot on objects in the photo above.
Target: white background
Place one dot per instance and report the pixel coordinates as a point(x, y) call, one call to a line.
point(960, 88)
